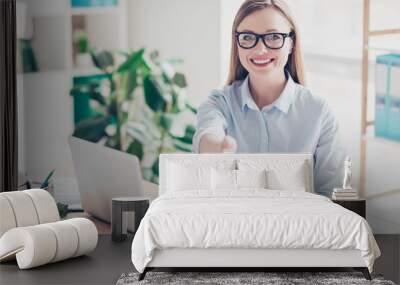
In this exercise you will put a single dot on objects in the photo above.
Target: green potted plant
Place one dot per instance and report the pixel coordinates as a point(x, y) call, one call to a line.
point(47, 185)
point(137, 115)
point(82, 58)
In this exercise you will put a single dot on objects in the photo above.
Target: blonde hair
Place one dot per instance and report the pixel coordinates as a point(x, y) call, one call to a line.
point(294, 64)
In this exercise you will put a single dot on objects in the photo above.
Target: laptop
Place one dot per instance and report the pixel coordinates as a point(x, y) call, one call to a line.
point(104, 173)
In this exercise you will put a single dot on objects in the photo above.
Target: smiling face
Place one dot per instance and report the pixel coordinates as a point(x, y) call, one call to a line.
point(260, 60)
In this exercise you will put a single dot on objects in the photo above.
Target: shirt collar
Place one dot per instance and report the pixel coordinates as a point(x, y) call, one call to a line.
point(282, 103)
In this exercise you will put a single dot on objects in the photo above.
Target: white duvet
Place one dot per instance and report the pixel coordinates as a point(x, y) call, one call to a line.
point(251, 218)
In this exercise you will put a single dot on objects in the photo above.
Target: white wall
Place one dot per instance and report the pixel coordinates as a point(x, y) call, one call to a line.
point(48, 122)
point(181, 29)
point(228, 12)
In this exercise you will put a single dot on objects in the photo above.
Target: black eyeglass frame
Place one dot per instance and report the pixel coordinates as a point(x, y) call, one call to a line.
point(261, 36)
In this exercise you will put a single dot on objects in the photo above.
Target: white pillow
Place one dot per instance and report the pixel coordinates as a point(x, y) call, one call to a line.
point(251, 178)
point(182, 177)
point(293, 178)
point(223, 179)
point(227, 179)
point(285, 174)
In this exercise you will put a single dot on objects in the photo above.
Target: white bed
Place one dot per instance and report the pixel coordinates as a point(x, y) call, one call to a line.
point(194, 224)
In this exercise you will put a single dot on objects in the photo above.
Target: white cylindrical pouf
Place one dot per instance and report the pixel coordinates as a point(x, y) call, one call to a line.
point(34, 246)
point(45, 205)
point(67, 239)
point(23, 207)
point(87, 234)
point(7, 218)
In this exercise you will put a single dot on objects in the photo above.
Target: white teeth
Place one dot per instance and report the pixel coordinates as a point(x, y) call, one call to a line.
point(261, 61)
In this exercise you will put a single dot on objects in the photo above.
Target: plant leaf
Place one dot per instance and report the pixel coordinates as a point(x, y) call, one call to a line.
point(45, 183)
point(178, 100)
point(168, 72)
point(92, 129)
point(166, 121)
point(191, 108)
point(184, 139)
point(132, 62)
point(97, 96)
point(153, 94)
point(62, 209)
point(175, 106)
point(154, 56)
point(187, 138)
point(182, 146)
point(145, 68)
point(112, 106)
point(190, 130)
point(75, 91)
point(129, 83)
point(155, 168)
point(180, 80)
point(136, 148)
point(103, 59)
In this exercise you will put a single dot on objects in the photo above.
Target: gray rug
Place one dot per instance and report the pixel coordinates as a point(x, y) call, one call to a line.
point(225, 278)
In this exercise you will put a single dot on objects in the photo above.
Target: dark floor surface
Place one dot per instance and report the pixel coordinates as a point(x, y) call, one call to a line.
point(110, 260)
point(102, 266)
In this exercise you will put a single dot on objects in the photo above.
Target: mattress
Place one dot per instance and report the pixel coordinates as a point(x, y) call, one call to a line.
point(251, 219)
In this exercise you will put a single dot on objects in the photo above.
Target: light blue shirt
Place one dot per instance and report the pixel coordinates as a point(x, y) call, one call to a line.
point(297, 122)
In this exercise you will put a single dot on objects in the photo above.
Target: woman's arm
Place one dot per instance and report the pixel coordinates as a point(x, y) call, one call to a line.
point(212, 121)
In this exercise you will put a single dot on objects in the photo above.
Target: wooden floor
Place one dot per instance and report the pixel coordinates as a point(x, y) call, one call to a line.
point(110, 259)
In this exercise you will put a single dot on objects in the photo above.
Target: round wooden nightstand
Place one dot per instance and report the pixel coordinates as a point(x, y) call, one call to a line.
point(139, 205)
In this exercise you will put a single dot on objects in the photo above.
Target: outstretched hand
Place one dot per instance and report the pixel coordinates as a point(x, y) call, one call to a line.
point(211, 144)
point(229, 145)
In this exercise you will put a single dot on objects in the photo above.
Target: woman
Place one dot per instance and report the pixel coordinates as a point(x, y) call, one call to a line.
point(265, 107)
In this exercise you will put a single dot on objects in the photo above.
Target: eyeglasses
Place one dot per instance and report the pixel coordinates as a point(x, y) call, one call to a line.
point(248, 40)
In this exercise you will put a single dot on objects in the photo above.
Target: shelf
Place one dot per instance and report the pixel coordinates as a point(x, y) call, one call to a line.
point(389, 50)
point(381, 140)
point(95, 11)
point(86, 72)
point(383, 32)
point(45, 73)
